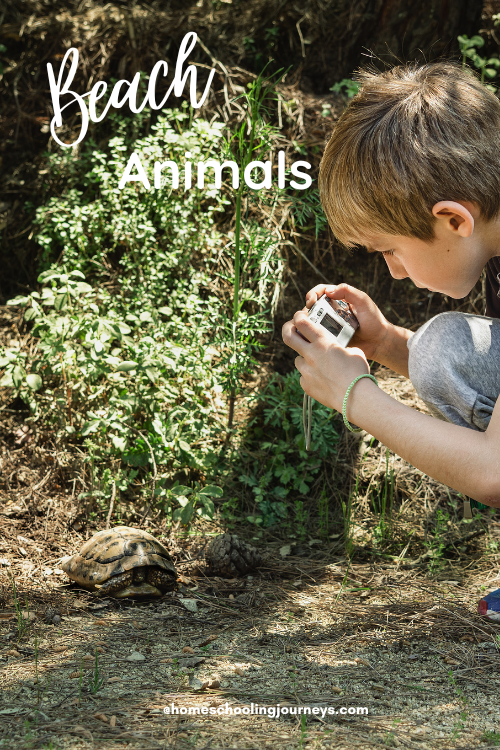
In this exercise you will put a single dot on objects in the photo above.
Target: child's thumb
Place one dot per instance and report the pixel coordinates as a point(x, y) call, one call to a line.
point(347, 292)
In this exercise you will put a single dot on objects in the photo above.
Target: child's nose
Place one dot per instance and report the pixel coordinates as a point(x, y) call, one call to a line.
point(396, 268)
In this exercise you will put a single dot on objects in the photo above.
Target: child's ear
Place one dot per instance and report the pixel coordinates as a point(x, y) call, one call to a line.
point(458, 218)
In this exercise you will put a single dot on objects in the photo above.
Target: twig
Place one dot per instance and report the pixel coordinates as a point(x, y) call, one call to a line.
point(297, 248)
point(111, 506)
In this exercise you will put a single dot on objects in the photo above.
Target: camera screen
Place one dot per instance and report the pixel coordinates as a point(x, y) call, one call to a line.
point(331, 325)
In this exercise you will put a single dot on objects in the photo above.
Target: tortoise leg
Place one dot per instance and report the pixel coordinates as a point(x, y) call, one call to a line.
point(115, 584)
point(161, 579)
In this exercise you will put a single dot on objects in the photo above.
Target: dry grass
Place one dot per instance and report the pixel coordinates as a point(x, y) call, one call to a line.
point(313, 632)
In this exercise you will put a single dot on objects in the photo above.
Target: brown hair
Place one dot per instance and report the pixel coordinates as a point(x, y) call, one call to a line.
point(411, 137)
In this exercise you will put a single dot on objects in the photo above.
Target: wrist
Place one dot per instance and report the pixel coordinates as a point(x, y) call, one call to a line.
point(392, 350)
point(356, 380)
point(383, 342)
point(360, 399)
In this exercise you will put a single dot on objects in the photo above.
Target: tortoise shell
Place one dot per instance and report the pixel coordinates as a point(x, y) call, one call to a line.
point(113, 552)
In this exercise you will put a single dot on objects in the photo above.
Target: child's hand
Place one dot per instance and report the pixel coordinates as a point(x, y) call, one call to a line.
point(327, 369)
point(373, 326)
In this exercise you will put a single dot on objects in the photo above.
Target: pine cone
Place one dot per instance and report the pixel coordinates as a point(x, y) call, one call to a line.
point(228, 556)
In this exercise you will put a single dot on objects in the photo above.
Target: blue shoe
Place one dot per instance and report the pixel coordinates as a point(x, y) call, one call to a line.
point(489, 606)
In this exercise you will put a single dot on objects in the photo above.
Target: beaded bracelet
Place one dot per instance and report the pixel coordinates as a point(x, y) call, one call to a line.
point(344, 403)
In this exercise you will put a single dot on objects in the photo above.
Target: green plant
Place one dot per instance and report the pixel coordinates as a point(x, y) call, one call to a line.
point(492, 738)
point(303, 732)
point(487, 66)
point(250, 140)
point(348, 514)
point(189, 498)
point(80, 683)
point(463, 700)
point(23, 623)
point(323, 510)
point(390, 737)
point(96, 682)
point(134, 336)
point(306, 208)
point(259, 58)
point(273, 455)
point(343, 581)
point(347, 87)
point(37, 678)
point(382, 498)
point(435, 544)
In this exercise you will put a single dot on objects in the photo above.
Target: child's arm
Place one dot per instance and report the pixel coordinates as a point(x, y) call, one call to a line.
point(376, 337)
point(467, 460)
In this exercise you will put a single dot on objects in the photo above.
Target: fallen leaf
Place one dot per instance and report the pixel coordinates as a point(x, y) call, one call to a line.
point(207, 640)
point(454, 662)
point(189, 604)
point(100, 650)
point(59, 649)
point(184, 579)
point(285, 551)
point(239, 671)
point(137, 625)
point(13, 652)
point(5, 615)
point(112, 721)
point(101, 717)
point(296, 609)
point(188, 650)
point(166, 661)
point(115, 679)
point(101, 643)
point(214, 684)
point(74, 674)
point(102, 622)
point(336, 689)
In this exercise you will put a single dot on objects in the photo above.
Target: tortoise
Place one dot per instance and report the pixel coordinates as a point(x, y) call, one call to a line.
point(122, 562)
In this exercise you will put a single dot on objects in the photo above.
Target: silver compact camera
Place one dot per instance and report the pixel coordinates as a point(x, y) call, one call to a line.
point(337, 317)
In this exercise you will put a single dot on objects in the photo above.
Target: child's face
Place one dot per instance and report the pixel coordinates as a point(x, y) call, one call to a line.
point(446, 264)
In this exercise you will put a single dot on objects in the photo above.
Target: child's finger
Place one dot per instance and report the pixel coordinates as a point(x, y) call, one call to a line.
point(309, 330)
point(316, 292)
point(345, 291)
point(293, 338)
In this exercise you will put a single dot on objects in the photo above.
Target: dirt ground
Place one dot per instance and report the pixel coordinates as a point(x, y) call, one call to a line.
point(404, 650)
point(304, 631)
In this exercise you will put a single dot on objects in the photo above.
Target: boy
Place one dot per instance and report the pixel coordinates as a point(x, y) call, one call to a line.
point(412, 170)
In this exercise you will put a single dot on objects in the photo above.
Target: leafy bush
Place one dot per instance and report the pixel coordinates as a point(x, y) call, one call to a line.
point(134, 341)
point(281, 465)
